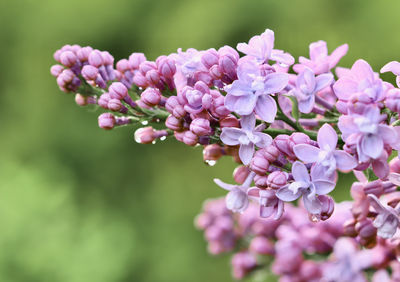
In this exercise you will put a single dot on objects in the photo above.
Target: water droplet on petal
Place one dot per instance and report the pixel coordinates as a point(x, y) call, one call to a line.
point(314, 217)
point(158, 120)
point(154, 142)
point(211, 162)
point(162, 138)
point(145, 122)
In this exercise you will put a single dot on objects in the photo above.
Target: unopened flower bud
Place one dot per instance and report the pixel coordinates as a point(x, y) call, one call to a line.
point(229, 121)
point(90, 72)
point(135, 59)
point(365, 229)
point(145, 135)
point(106, 121)
point(83, 53)
point(68, 59)
point(151, 97)
point(166, 67)
point(56, 70)
point(261, 181)
point(261, 245)
point(200, 126)
point(117, 90)
point(212, 152)
point(328, 206)
point(103, 100)
point(153, 77)
point(173, 123)
point(189, 138)
point(240, 174)
point(271, 153)
point(114, 105)
point(210, 58)
point(395, 165)
point(237, 200)
point(259, 164)
point(374, 187)
point(80, 100)
point(349, 228)
point(277, 179)
point(95, 58)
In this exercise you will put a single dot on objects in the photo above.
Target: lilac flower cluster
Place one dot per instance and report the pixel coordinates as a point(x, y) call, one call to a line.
point(290, 126)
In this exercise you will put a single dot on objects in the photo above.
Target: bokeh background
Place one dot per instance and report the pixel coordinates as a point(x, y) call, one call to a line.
point(79, 204)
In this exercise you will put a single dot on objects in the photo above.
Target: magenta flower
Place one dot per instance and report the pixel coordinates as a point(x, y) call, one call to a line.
point(261, 47)
point(370, 134)
point(307, 86)
point(269, 203)
point(320, 61)
point(306, 186)
point(237, 199)
point(252, 91)
point(387, 220)
point(247, 137)
point(326, 155)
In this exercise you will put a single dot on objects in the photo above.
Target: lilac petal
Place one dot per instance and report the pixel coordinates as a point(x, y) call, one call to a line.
point(300, 172)
point(279, 210)
point(238, 88)
point(306, 153)
point(247, 71)
point(344, 87)
point(266, 211)
point(323, 187)
point(372, 146)
point(381, 168)
point(306, 81)
point(394, 178)
point(389, 226)
point(327, 138)
point(362, 70)
point(347, 126)
point(248, 122)
point(266, 108)
point(275, 82)
point(376, 204)
point(337, 54)
point(344, 161)
point(265, 141)
point(322, 81)
point(281, 57)
point(246, 152)
point(318, 49)
point(230, 136)
point(312, 204)
point(285, 194)
point(306, 105)
point(243, 105)
point(393, 67)
point(387, 133)
point(254, 192)
point(224, 185)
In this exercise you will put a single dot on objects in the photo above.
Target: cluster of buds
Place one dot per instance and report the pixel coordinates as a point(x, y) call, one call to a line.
point(290, 126)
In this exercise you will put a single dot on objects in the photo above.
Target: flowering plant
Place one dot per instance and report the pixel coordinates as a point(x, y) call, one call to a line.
point(290, 126)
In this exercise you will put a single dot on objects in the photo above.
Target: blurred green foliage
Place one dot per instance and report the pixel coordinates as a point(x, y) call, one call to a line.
point(81, 204)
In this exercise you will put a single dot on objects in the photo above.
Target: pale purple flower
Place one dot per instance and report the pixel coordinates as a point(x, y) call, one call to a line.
point(306, 186)
point(261, 47)
point(387, 220)
point(320, 61)
point(393, 67)
point(237, 199)
point(394, 178)
point(247, 137)
point(252, 91)
point(371, 135)
point(307, 86)
point(326, 155)
point(269, 203)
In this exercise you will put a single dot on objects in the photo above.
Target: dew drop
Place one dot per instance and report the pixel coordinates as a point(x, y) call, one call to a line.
point(158, 120)
point(145, 122)
point(314, 218)
point(211, 162)
point(162, 138)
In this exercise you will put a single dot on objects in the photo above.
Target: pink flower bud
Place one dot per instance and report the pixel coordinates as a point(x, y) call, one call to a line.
point(374, 187)
point(123, 65)
point(215, 72)
point(271, 153)
point(90, 72)
point(240, 174)
point(56, 70)
point(189, 138)
point(261, 181)
point(114, 105)
point(358, 102)
point(277, 179)
point(200, 127)
point(108, 59)
point(310, 271)
point(68, 59)
point(83, 53)
point(106, 121)
point(227, 64)
point(135, 59)
point(173, 123)
point(166, 67)
point(179, 111)
point(153, 77)
point(95, 58)
point(228, 50)
point(151, 97)
point(145, 135)
point(210, 58)
point(80, 100)
point(349, 228)
point(328, 205)
point(118, 90)
point(261, 245)
point(140, 80)
point(242, 264)
point(229, 121)
point(366, 229)
point(282, 144)
point(147, 66)
point(395, 165)
point(259, 164)
point(212, 152)
point(103, 100)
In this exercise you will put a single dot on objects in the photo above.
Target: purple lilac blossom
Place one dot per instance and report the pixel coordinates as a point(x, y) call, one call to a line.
point(307, 86)
point(247, 137)
point(252, 91)
point(269, 203)
point(326, 155)
point(306, 186)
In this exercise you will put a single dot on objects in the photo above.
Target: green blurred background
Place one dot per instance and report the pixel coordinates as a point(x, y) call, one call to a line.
point(81, 204)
